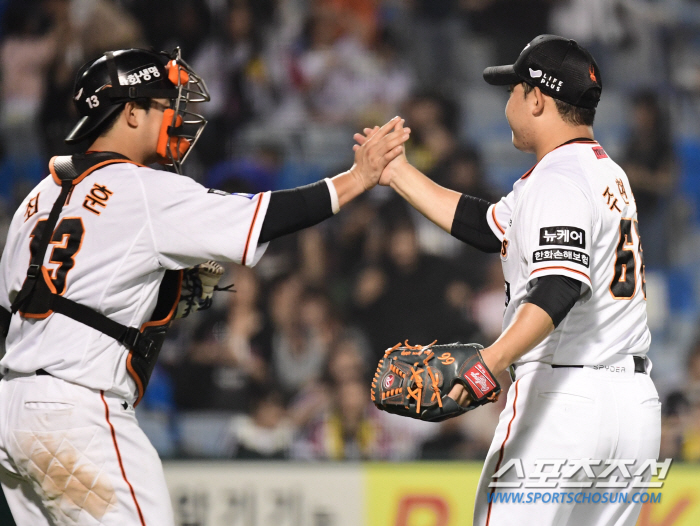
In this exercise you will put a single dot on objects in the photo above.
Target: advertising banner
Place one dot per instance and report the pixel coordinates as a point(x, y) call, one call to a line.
point(265, 494)
point(370, 494)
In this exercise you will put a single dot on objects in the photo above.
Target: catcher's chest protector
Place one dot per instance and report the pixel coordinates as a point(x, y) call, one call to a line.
point(38, 297)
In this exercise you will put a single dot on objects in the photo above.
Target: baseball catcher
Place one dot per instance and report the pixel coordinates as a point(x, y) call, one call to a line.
point(414, 380)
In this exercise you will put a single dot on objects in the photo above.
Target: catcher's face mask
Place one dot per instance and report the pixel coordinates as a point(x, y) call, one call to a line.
point(181, 127)
point(105, 84)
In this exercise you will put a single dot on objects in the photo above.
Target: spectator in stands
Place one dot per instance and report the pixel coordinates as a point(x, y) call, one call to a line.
point(406, 297)
point(488, 304)
point(334, 69)
point(681, 417)
point(358, 18)
point(87, 30)
point(434, 123)
point(228, 360)
point(451, 443)
point(264, 435)
point(26, 52)
point(649, 163)
point(463, 172)
point(237, 77)
point(349, 430)
point(435, 34)
point(299, 345)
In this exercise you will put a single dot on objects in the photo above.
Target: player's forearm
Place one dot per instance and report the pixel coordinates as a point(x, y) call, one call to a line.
point(530, 326)
point(432, 200)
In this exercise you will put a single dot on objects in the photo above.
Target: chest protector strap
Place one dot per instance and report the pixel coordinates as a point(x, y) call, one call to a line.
point(38, 298)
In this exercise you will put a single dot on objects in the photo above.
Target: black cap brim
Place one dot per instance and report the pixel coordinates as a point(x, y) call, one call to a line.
point(501, 76)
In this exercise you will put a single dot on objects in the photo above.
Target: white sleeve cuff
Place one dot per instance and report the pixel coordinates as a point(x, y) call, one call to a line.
point(335, 204)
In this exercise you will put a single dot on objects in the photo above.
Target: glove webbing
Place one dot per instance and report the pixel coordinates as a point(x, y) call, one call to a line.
point(416, 393)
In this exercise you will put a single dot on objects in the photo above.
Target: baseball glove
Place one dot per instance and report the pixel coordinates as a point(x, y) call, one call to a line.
point(198, 286)
point(414, 380)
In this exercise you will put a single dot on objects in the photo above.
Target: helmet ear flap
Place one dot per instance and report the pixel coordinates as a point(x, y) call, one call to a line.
point(169, 148)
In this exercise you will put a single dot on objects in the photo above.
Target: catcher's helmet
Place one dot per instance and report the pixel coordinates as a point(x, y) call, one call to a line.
point(105, 84)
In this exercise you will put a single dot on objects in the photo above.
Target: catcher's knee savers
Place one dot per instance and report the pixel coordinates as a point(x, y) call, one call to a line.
point(414, 381)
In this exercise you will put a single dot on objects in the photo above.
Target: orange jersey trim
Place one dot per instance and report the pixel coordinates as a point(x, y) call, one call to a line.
point(527, 174)
point(129, 367)
point(501, 453)
point(250, 231)
point(170, 315)
point(89, 171)
point(137, 380)
point(119, 459)
point(493, 214)
point(587, 141)
point(562, 268)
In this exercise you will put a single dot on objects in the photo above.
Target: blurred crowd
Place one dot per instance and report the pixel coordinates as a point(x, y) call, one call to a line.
point(281, 366)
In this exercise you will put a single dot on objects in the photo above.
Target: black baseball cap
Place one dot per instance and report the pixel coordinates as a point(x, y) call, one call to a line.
point(558, 66)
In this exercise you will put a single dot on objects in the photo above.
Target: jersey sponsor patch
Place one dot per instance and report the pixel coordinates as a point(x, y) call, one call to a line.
point(479, 380)
point(599, 152)
point(574, 256)
point(568, 236)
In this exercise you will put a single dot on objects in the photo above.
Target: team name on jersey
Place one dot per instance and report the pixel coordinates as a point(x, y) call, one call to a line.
point(568, 236)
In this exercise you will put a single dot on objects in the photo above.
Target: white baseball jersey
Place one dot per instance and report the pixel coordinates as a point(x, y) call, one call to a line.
point(122, 227)
point(574, 214)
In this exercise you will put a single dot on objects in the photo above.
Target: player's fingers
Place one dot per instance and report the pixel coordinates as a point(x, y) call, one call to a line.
point(459, 394)
point(381, 132)
point(395, 139)
point(359, 138)
point(393, 154)
point(355, 147)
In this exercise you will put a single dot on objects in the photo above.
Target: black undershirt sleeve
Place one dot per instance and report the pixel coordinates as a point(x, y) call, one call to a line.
point(295, 209)
point(555, 295)
point(470, 225)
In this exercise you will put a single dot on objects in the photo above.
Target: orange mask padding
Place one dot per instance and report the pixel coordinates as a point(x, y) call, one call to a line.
point(173, 70)
point(177, 145)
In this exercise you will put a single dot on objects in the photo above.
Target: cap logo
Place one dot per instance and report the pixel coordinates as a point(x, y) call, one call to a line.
point(591, 73)
point(535, 73)
point(551, 82)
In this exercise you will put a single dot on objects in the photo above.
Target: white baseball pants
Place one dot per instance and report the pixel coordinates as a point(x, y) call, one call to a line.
point(570, 413)
point(75, 456)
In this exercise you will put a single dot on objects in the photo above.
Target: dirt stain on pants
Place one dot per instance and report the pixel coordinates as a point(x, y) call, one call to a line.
point(67, 471)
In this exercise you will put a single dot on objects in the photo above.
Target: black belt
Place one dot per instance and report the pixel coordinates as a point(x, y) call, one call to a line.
point(640, 365)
